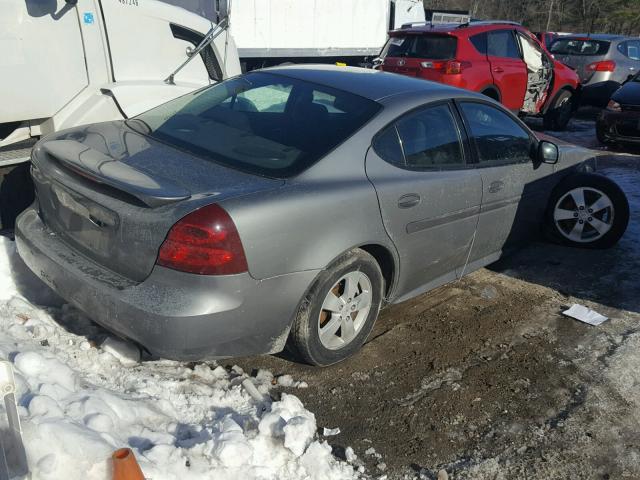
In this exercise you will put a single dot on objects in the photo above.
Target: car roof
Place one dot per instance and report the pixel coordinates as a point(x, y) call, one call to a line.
point(593, 36)
point(458, 29)
point(372, 84)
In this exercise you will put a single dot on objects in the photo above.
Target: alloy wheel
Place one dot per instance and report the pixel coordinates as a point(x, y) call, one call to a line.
point(345, 310)
point(584, 214)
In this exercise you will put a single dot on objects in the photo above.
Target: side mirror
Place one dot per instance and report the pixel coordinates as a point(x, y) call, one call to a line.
point(548, 152)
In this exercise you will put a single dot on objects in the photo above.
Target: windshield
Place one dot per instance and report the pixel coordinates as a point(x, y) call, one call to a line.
point(579, 46)
point(262, 123)
point(432, 47)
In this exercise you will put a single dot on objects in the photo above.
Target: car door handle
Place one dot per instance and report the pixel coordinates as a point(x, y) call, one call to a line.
point(409, 200)
point(498, 69)
point(496, 186)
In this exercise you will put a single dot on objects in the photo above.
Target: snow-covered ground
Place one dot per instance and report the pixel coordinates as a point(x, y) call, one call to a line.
point(78, 402)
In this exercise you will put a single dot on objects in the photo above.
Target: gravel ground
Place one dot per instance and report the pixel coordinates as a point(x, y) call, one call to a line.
point(485, 379)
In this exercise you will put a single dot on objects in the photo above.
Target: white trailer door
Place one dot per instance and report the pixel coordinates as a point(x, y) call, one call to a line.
point(42, 65)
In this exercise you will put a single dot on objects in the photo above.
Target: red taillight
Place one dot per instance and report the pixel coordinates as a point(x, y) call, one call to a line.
point(205, 242)
point(604, 66)
point(449, 67)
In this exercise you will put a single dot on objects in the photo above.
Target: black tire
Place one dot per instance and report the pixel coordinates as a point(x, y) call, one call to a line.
point(559, 114)
point(617, 216)
point(304, 338)
point(489, 92)
point(601, 136)
point(16, 194)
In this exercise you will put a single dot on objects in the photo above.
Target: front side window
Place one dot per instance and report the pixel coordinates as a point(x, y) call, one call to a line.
point(430, 138)
point(262, 123)
point(498, 138)
point(500, 43)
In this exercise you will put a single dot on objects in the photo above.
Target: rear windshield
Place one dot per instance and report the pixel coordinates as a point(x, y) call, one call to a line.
point(568, 46)
point(433, 47)
point(262, 123)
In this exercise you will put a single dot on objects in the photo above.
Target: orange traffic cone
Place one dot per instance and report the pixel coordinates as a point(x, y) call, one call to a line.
point(125, 465)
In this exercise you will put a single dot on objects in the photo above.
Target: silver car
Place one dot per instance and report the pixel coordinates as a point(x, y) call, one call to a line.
point(603, 62)
point(290, 204)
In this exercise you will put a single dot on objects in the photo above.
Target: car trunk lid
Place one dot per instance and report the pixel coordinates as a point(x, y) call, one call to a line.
point(113, 194)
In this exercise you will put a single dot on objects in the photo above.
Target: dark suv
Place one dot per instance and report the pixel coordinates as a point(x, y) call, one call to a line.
point(503, 60)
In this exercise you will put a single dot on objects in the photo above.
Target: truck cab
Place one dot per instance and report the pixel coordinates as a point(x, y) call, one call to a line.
point(74, 62)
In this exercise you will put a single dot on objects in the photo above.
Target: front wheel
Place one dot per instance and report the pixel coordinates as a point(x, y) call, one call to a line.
point(559, 114)
point(588, 210)
point(338, 313)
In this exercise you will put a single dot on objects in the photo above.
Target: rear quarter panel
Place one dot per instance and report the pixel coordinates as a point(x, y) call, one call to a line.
point(315, 217)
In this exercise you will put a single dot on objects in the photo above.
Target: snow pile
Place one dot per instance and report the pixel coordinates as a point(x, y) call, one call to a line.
point(79, 403)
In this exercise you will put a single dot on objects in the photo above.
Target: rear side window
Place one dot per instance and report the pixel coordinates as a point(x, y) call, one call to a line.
point(387, 146)
point(630, 49)
point(430, 138)
point(583, 46)
point(479, 41)
point(501, 43)
point(433, 47)
point(498, 138)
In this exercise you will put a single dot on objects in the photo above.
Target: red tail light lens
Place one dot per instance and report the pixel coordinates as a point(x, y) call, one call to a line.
point(449, 67)
point(604, 66)
point(205, 242)
point(455, 67)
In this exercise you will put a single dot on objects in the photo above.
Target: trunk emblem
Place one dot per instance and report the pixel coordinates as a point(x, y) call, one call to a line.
point(401, 63)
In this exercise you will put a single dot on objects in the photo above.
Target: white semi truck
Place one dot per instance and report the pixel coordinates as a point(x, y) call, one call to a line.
point(65, 63)
point(271, 32)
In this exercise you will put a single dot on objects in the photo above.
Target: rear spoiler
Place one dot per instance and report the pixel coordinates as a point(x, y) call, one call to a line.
point(100, 168)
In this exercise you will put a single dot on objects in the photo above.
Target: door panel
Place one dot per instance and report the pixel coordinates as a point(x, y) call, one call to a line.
point(514, 200)
point(507, 68)
point(515, 192)
point(430, 216)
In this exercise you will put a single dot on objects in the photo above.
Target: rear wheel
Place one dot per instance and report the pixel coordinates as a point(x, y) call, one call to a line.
point(491, 93)
point(338, 313)
point(559, 114)
point(589, 211)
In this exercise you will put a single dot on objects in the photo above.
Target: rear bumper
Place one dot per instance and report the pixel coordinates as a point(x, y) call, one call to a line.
point(597, 94)
point(173, 314)
point(623, 127)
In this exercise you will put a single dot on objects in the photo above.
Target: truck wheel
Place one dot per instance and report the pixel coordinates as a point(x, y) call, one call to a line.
point(339, 311)
point(588, 210)
point(559, 114)
point(16, 194)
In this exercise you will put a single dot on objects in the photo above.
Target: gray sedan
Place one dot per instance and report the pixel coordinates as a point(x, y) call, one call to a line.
point(288, 205)
point(603, 62)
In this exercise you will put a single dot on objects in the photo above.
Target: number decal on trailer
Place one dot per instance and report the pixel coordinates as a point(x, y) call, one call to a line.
point(129, 2)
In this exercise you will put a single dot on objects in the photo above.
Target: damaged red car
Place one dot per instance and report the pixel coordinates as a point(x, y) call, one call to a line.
point(502, 60)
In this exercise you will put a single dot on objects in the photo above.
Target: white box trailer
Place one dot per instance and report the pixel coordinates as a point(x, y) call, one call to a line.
point(271, 32)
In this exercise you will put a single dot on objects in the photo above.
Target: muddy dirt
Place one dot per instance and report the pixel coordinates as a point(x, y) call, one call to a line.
point(484, 378)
